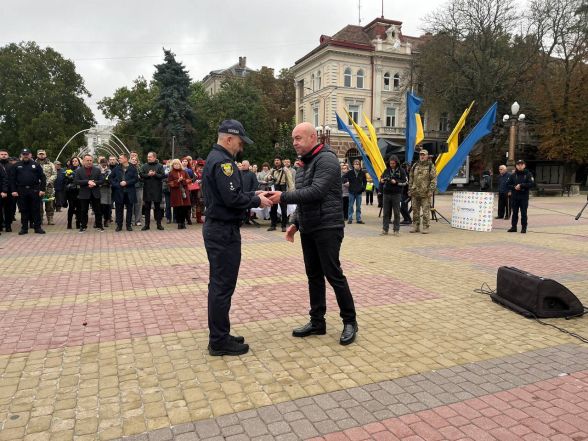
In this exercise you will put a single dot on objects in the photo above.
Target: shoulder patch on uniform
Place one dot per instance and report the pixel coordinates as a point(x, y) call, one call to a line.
point(227, 169)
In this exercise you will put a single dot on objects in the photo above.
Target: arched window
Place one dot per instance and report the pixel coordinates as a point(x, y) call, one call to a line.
point(387, 81)
point(360, 76)
point(318, 80)
point(347, 77)
point(396, 81)
point(312, 82)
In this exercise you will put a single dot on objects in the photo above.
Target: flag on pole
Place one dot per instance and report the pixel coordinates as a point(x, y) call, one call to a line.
point(368, 165)
point(483, 128)
point(374, 151)
point(420, 132)
point(452, 141)
point(413, 104)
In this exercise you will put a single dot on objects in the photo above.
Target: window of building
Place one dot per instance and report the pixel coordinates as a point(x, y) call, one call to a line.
point(360, 76)
point(396, 81)
point(390, 117)
point(312, 81)
point(387, 81)
point(315, 116)
point(353, 110)
point(318, 80)
point(347, 77)
point(444, 122)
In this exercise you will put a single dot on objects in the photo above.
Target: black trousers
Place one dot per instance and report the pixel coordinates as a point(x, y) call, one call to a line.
point(96, 207)
point(73, 207)
point(369, 197)
point(391, 203)
point(405, 210)
point(274, 214)
point(503, 205)
point(520, 201)
point(7, 209)
point(119, 210)
point(222, 241)
point(345, 206)
point(106, 212)
point(157, 212)
point(182, 214)
point(321, 260)
point(28, 204)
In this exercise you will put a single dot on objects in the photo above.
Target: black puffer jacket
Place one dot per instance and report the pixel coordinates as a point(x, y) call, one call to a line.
point(318, 193)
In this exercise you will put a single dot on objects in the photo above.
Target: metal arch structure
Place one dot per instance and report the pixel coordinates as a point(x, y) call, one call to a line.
point(121, 143)
point(108, 148)
point(70, 139)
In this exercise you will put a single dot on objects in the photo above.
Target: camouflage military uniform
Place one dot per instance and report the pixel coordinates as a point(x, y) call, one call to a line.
point(49, 198)
point(423, 180)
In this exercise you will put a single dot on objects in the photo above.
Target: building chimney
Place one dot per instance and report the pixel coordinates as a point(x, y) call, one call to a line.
point(242, 62)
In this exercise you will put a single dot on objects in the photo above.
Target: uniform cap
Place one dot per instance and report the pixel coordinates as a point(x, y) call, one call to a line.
point(521, 161)
point(41, 151)
point(234, 127)
point(25, 152)
point(423, 152)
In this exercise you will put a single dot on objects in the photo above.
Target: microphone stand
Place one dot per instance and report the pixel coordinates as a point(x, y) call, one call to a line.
point(579, 215)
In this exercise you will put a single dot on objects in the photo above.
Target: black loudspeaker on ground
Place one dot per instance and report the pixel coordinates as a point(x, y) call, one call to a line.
point(534, 296)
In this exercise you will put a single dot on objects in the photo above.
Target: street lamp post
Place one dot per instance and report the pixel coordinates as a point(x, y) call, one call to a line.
point(324, 134)
point(514, 121)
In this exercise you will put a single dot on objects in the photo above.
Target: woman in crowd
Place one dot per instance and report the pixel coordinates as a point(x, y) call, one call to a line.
point(178, 181)
point(196, 196)
point(393, 180)
point(262, 177)
point(105, 193)
point(345, 188)
point(71, 192)
point(138, 206)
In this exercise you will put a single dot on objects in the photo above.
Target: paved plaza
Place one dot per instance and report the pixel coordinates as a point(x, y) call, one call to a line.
point(103, 336)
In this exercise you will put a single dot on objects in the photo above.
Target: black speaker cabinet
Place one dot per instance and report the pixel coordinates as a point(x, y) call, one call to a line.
point(534, 296)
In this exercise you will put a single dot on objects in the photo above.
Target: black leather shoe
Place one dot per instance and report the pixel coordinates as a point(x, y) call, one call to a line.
point(9, 229)
point(271, 229)
point(237, 338)
point(39, 231)
point(21, 232)
point(498, 217)
point(145, 228)
point(512, 230)
point(160, 227)
point(283, 229)
point(118, 228)
point(229, 348)
point(309, 329)
point(523, 230)
point(129, 228)
point(348, 334)
point(359, 222)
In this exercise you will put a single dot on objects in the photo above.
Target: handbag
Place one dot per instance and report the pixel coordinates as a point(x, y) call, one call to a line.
point(193, 186)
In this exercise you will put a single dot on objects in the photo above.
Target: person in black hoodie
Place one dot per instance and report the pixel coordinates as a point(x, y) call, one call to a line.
point(392, 181)
point(357, 184)
point(519, 184)
point(152, 174)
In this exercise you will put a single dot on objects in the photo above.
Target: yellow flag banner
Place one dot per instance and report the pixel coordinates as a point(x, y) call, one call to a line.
point(420, 132)
point(452, 141)
point(375, 154)
point(367, 146)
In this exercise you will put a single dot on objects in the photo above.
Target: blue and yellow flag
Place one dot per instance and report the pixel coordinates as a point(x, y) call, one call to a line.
point(452, 142)
point(413, 104)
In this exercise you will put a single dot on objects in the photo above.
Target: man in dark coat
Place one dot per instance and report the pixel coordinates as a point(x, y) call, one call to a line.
point(319, 218)
point(152, 174)
point(503, 193)
point(250, 183)
point(122, 180)
point(89, 178)
point(519, 184)
point(357, 183)
point(6, 203)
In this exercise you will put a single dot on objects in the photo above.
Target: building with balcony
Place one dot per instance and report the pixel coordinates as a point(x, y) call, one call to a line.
point(212, 82)
point(364, 69)
point(98, 136)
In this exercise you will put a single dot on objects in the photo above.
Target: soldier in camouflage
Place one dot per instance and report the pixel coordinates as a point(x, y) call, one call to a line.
point(51, 175)
point(423, 180)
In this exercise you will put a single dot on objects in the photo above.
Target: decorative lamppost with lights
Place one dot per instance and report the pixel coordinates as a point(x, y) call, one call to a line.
point(324, 134)
point(514, 122)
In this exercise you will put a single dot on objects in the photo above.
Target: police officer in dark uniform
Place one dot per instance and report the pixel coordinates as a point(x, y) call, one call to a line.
point(27, 182)
point(226, 204)
point(519, 183)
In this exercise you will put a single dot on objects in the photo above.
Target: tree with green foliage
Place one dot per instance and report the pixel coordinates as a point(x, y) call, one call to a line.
point(137, 115)
point(41, 99)
point(174, 85)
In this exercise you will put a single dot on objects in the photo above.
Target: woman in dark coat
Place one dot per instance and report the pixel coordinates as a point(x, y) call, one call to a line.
point(71, 192)
point(178, 181)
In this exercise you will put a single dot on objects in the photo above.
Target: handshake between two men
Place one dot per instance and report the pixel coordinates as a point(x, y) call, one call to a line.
point(269, 198)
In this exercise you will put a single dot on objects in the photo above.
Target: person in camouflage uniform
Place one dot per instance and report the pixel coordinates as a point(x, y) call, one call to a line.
point(51, 175)
point(423, 180)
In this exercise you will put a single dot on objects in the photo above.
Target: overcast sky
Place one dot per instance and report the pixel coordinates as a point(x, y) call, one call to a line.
point(112, 43)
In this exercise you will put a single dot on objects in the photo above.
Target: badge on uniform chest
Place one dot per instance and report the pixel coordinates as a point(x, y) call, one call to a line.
point(227, 169)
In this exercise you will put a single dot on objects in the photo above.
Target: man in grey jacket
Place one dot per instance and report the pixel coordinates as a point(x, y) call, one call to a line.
point(319, 218)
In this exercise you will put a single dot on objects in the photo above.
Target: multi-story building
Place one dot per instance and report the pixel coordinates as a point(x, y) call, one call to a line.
point(364, 69)
point(212, 82)
point(98, 136)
